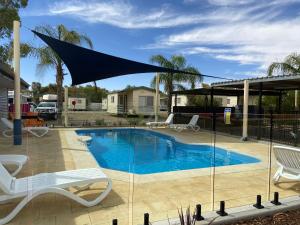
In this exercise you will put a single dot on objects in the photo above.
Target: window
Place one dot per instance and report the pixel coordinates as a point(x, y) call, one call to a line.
point(112, 99)
point(146, 101)
point(178, 100)
point(228, 101)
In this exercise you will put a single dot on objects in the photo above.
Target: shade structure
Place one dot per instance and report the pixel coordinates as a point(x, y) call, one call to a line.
point(86, 65)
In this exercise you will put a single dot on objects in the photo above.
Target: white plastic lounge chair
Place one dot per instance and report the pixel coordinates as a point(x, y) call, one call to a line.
point(18, 160)
point(168, 122)
point(288, 159)
point(191, 125)
point(36, 131)
point(30, 187)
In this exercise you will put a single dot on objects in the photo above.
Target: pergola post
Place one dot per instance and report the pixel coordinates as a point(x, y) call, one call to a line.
point(280, 102)
point(157, 98)
point(259, 111)
point(211, 99)
point(245, 110)
point(17, 84)
point(206, 103)
point(296, 100)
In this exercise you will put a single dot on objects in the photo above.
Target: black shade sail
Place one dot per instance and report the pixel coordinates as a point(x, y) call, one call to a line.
point(86, 65)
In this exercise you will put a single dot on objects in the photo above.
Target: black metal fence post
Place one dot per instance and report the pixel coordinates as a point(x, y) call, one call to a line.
point(270, 154)
point(146, 219)
point(198, 215)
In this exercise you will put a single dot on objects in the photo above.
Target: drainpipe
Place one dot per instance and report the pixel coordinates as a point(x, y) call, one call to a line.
point(245, 110)
point(17, 85)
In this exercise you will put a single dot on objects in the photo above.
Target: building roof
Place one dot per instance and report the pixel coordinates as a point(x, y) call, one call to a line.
point(8, 72)
point(275, 83)
point(135, 88)
point(224, 92)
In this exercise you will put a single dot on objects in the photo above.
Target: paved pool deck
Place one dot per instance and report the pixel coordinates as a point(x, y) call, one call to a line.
point(133, 195)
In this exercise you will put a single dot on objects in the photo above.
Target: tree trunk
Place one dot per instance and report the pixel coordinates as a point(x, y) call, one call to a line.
point(95, 86)
point(170, 90)
point(59, 82)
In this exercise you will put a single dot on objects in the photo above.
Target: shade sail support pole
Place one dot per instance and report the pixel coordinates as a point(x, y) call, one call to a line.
point(245, 110)
point(157, 98)
point(17, 85)
point(66, 106)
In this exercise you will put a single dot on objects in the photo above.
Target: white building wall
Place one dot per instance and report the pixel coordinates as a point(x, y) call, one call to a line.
point(135, 101)
point(3, 103)
point(112, 106)
point(182, 100)
point(104, 104)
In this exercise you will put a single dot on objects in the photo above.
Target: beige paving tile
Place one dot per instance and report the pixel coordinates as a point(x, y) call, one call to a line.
point(159, 194)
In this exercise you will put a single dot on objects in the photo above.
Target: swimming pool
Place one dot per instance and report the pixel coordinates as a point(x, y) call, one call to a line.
point(143, 151)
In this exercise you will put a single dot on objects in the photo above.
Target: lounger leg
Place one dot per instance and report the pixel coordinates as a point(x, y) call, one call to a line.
point(277, 175)
point(5, 133)
point(17, 170)
point(36, 134)
point(60, 191)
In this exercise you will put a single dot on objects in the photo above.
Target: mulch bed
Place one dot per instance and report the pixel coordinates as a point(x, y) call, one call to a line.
point(286, 218)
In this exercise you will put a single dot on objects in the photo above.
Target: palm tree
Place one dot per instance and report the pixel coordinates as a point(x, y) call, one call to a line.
point(290, 65)
point(48, 59)
point(171, 81)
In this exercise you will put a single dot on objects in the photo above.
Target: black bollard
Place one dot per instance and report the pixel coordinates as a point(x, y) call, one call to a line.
point(146, 219)
point(198, 215)
point(222, 212)
point(276, 199)
point(115, 222)
point(258, 204)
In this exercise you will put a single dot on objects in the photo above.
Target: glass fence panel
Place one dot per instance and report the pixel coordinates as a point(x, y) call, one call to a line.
point(171, 168)
point(105, 148)
point(284, 155)
point(241, 161)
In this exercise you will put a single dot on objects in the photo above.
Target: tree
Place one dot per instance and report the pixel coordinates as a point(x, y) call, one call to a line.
point(48, 59)
point(173, 81)
point(9, 11)
point(290, 66)
point(36, 91)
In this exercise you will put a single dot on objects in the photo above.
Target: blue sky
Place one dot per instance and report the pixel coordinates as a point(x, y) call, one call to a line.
point(229, 38)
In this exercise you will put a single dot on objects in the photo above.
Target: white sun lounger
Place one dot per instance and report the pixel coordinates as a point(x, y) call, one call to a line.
point(36, 131)
point(191, 125)
point(168, 122)
point(288, 159)
point(30, 187)
point(18, 160)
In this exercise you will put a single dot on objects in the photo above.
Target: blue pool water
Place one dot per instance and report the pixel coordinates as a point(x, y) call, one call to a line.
point(143, 152)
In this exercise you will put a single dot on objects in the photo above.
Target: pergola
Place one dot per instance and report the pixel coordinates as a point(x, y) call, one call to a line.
point(262, 86)
point(223, 92)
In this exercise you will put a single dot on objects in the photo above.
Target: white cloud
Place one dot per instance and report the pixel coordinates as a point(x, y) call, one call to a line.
point(229, 2)
point(243, 31)
point(122, 14)
point(254, 38)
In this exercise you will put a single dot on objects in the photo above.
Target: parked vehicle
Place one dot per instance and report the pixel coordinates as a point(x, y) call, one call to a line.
point(47, 110)
point(49, 97)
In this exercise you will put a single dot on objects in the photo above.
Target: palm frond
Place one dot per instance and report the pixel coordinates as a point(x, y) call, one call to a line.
point(283, 68)
point(178, 61)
